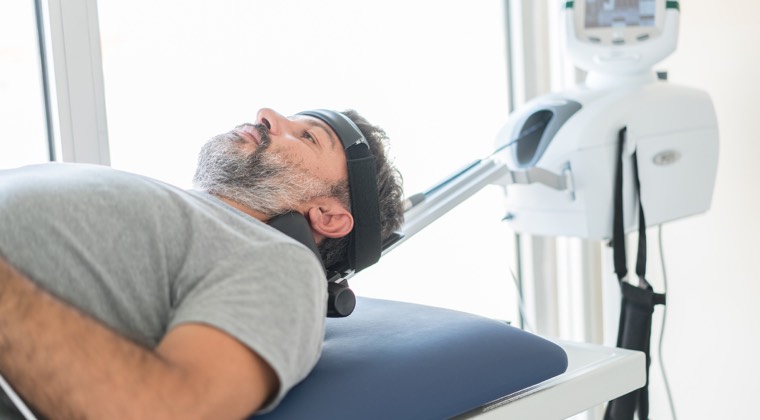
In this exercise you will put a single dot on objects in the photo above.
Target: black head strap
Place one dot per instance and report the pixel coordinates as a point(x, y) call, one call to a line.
point(365, 242)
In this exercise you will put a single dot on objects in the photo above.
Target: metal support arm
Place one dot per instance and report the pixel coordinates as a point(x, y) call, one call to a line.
point(425, 208)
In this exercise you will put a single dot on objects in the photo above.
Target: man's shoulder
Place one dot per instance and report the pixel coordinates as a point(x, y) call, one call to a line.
point(58, 170)
point(67, 178)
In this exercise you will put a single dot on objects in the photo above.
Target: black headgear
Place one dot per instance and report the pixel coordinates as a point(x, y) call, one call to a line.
point(364, 241)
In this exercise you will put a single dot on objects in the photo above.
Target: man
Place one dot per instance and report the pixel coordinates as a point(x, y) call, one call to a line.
point(122, 297)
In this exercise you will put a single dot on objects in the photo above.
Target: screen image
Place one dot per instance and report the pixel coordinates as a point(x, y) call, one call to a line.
point(619, 13)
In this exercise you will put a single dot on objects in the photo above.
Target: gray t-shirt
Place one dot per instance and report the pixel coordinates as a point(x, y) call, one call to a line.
point(142, 257)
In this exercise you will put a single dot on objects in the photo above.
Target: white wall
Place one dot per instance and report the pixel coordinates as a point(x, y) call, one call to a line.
point(712, 333)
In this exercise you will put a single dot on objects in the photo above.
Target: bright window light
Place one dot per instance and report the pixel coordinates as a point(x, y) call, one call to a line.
point(23, 135)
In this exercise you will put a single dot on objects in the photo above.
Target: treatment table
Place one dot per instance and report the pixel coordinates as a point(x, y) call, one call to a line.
point(396, 360)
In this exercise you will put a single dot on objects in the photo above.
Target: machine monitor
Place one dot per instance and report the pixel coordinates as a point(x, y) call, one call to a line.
point(619, 37)
point(619, 22)
point(619, 14)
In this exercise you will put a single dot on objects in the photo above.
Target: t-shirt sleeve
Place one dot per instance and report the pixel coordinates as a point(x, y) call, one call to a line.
point(274, 303)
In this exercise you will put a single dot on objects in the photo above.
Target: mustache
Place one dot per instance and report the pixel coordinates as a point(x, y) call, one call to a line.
point(262, 130)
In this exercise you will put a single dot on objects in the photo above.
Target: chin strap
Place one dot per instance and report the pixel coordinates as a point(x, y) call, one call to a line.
point(638, 302)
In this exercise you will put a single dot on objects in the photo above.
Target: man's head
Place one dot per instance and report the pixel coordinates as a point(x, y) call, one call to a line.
point(281, 164)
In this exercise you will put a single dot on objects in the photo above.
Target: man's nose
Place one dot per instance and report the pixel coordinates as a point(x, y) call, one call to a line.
point(272, 120)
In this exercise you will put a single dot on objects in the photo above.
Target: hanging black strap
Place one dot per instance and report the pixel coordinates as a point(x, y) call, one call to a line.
point(638, 302)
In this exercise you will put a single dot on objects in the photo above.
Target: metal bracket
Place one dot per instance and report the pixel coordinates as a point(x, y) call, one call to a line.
point(560, 182)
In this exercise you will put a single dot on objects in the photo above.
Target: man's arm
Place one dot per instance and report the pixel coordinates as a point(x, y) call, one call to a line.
point(67, 365)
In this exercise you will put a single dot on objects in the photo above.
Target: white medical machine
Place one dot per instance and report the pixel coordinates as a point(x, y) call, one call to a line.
point(555, 156)
point(573, 134)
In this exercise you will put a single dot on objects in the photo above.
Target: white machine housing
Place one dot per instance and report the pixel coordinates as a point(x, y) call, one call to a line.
point(673, 129)
point(573, 134)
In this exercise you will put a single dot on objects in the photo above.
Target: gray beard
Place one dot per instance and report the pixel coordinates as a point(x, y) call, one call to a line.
point(264, 181)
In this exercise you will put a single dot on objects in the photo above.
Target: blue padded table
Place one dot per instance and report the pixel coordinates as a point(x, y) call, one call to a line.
point(395, 360)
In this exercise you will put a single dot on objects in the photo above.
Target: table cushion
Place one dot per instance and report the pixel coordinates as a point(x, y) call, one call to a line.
point(396, 360)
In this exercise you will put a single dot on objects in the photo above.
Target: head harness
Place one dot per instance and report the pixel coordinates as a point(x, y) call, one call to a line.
point(364, 241)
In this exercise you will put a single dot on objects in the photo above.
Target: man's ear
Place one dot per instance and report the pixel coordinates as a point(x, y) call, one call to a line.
point(329, 219)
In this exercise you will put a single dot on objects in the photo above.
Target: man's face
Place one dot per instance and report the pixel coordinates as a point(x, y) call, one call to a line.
point(275, 165)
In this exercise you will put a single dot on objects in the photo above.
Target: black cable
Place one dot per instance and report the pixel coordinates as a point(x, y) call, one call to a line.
point(524, 135)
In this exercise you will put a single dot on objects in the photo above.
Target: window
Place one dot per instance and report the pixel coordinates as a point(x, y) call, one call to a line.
point(23, 132)
point(432, 73)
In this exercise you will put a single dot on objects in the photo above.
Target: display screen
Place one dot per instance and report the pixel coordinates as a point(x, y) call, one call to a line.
point(619, 13)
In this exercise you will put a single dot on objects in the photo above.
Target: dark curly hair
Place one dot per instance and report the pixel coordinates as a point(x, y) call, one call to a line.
point(389, 189)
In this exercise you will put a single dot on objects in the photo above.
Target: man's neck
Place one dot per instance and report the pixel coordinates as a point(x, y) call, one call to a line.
point(247, 210)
